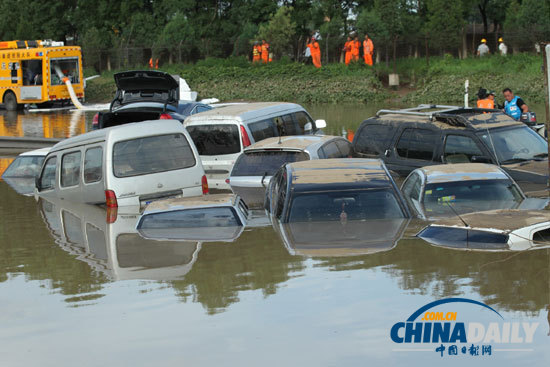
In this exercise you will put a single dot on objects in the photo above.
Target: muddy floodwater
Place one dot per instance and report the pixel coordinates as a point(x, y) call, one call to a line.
point(80, 287)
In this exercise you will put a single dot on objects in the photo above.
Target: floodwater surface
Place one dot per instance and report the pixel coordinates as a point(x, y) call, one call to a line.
point(79, 286)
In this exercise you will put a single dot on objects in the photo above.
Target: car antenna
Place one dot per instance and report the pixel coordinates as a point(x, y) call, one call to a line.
point(492, 144)
point(458, 215)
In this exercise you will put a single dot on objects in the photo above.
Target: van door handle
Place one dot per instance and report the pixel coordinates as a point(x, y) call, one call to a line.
point(387, 153)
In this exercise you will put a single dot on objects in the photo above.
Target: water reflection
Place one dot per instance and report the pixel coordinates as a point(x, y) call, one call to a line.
point(59, 124)
point(115, 249)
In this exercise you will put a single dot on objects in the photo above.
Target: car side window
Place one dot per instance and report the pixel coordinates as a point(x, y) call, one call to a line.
point(411, 190)
point(289, 126)
point(330, 150)
point(263, 129)
point(345, 147)
point(302, 119)
point(93, 165)
point(281, 195)
point(70, 169)
point(460, 149)
point(47, 179)
point(373, 139)
point(417, 144)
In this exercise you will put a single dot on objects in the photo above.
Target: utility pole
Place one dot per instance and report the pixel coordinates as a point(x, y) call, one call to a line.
point(546, 65)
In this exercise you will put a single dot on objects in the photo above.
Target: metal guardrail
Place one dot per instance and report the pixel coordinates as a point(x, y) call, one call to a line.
point(14, 145)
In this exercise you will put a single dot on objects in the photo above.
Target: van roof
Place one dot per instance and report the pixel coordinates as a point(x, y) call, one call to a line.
point(38, 152)
point(462, 172)
point(295, 142)
point(343, 173)
point(466, 119)
point(122, 132)
point(243, 111)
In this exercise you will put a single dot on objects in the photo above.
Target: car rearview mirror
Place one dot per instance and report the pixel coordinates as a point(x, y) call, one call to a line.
point(320, 124)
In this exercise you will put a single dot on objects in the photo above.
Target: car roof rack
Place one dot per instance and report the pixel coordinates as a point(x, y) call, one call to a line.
point(419, 110)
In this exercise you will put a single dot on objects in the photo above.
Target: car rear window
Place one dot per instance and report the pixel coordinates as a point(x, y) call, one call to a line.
point(265, 162)
point(152, 154)
point(344, 206)
point(214, 139)
point(191, 218)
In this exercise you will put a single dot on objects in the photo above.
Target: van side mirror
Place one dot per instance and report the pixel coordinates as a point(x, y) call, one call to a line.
point(320, 124)
point(480, 159)
point(308, 127)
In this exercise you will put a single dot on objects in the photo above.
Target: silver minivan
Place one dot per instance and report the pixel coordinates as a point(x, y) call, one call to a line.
point(127, 165)
point(222, 133)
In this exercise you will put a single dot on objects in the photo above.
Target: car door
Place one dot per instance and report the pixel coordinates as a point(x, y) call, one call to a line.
point(413, 148)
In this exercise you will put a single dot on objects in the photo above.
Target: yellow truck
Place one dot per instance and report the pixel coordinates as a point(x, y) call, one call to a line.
point(34, 72)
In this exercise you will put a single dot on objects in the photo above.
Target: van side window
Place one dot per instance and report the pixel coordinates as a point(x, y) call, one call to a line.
point(417, 144)
point(460, 149)
point(280, 204)
point(47, 179)
point(70, 169)
point(302, 119)
point(373, 139)
point(263, 129)
point(288, 123)
point(92, 165)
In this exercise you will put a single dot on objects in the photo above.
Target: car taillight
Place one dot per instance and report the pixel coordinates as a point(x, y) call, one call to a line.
point(110, 199)
point(204, 183)
point(227, 181)
point(244, 137)
point(95, 120)
point(111, 215)
point(165, 116)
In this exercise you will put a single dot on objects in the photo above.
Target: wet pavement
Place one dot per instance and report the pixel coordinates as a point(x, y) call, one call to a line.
point(78, 290)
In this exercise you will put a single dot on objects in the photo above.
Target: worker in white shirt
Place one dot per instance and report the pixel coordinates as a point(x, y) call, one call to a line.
point(502, 47)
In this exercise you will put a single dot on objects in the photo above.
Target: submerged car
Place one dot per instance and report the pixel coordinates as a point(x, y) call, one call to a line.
point(255, 166)
point(146, 95)
point(334, 190)
point(23, 170)
point(494, 230)
point(221, 134)
point(429, 135)
point(218, 217)
point(444, 190)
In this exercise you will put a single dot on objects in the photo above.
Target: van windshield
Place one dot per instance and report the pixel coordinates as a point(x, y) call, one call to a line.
point(265, 162)
point(215, 139)
point(152, 154)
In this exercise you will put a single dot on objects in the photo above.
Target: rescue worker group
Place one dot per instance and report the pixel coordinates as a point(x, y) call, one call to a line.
point(352, 49)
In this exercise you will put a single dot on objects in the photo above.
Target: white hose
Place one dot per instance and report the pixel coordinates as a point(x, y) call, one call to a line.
point(67, 82)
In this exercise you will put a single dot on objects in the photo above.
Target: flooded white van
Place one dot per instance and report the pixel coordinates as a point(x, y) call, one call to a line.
point(221, 134)
point(127, 165)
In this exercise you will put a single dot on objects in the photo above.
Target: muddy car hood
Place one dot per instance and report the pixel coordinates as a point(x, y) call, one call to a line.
point(530, 175)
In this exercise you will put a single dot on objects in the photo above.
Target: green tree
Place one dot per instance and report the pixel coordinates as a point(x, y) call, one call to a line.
point(279, 31)
point(444, 25)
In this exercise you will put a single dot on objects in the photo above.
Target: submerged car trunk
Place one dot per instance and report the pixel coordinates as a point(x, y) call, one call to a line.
point(109, 119)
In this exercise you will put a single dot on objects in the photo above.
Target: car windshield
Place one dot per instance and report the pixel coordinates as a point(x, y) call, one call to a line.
point(191, 218)
point(212, 139)
point(345, 205)
point(470, 196)
point(515, 145)
point(24, 166)
point(265, 162)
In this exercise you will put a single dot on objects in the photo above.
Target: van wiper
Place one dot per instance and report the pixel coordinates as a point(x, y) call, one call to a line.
point(515, 160)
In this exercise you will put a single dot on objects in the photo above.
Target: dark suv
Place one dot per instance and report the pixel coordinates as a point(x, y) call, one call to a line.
point(429, 134)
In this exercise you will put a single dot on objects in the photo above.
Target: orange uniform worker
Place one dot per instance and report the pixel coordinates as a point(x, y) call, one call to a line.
point(368, 49)
point(487, 102)
point(347, 50)
point(355, 47)
point(151, 63)
point(256, 52)
point(265, 52)
point(315, 52)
